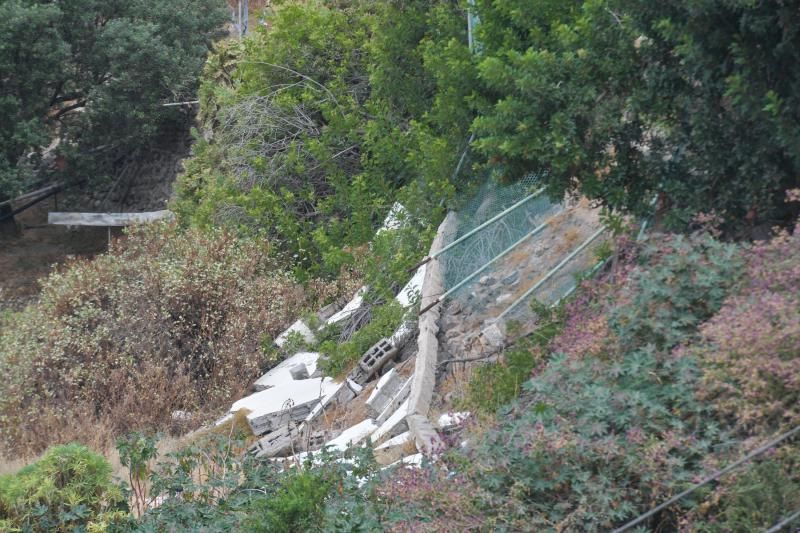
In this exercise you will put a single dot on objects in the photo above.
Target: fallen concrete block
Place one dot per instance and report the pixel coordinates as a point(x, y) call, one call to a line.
point(276, 443)
point(352, 436)
point(395, 403)
point(299, 371)
point(386, 389)
point(399, 440)
point(291, 402)
point(372, 361)
point(282, 373)
point(393, 425)
point(298, 328)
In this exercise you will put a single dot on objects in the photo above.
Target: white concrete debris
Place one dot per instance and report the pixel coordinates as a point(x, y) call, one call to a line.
point(351, 307)
point(282, 373)
point(395, 219)
point(288, 402)
point(451, 420)
point(396, 402)
point(352, 436)
point(399, 440)
point(298, 327)
point(386, 389)
point(410, 293)
point(394, 424)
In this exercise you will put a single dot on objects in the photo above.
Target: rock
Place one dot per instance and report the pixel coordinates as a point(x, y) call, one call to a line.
point(503, 298)
point(456, 307)
point(487, 280)
point(493, 336)
point(511, 279)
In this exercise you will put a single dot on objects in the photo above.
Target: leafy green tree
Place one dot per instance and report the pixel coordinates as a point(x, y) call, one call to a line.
point(623, 100)
point(93, 74)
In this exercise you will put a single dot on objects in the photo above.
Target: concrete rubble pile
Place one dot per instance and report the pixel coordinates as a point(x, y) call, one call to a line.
point(293, 399)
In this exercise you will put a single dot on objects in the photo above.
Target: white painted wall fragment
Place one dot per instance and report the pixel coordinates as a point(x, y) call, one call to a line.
point(281, 373)
point(388, 386)
point(410, 293)
point(298, 327)
point(352, 436)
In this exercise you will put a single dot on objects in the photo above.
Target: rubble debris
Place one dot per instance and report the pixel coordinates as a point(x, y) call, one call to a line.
point(282, 373)
point(352, 306)
point(388, 386)
point(393, 425)
point(373, 360)
point(298, 328)
point(352, 436)
point(395, 403)
point(299, 371)
point(277, 443)
point(292, 401)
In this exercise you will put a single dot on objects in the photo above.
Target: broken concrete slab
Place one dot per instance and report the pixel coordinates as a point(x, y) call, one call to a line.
point(386, 389)
point(393, 449)
point(393, 425)
point(292, 401)
point(352, 306)
point(282, 374)
point(352, 436)
point(395, 403)
point(298, 328)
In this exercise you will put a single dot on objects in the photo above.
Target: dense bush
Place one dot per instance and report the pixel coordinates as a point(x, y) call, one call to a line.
point(750, 350)
point(68, 489)
point(625, 99)
point(166, 321)
point(319, 125)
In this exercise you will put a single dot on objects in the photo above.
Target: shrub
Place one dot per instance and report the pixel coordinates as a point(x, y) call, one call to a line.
point(757, 497)
point(750, 350)
point(166, 321)
point(68, 489)
point(680, 282)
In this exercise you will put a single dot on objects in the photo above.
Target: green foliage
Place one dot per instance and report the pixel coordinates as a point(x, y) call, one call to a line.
point(624, 99)
point(497, 384)
point(213, 486)
point(320, 128)
point(758, 498)
point(94, 73)
point(682, 282)
point(68, 489)
point(137, 453)
point(340, 357)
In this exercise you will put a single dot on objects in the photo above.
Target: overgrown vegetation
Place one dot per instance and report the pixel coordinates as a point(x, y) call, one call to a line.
point(92, 75)
point(167, 321)
point(677, 359)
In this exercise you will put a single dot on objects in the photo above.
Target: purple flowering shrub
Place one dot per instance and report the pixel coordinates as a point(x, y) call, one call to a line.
point(750, 351)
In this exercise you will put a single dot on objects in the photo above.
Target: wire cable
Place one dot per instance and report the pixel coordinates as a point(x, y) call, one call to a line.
point(746, 458)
